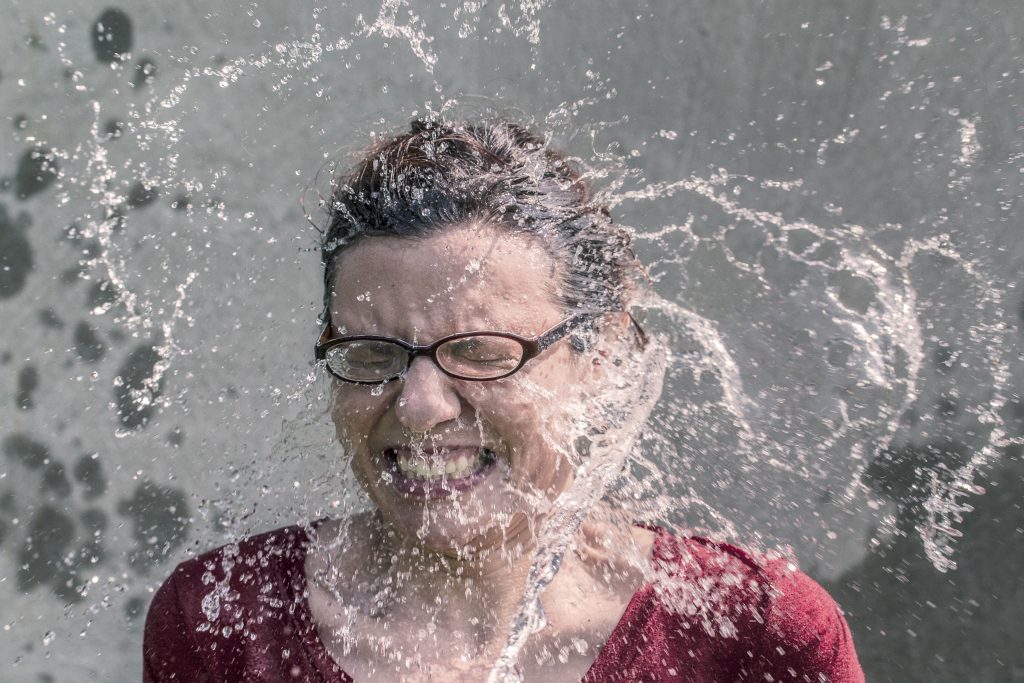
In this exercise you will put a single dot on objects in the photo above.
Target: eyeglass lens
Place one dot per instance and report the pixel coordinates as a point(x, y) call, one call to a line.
point(478, 357)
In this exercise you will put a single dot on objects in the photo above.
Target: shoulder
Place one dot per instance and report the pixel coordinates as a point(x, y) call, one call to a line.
point(759, 610)
point(765, 582)
point(230, 572)
point(239, 561)
point(214, 602)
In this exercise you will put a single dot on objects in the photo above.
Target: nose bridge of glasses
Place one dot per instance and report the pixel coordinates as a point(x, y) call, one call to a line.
point(423, 360)
point(426, 397)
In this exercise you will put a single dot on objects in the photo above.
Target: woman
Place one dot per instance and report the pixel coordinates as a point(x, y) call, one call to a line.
point(488, 382)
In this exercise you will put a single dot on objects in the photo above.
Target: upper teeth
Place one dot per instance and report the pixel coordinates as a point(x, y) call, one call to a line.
point(423, 467)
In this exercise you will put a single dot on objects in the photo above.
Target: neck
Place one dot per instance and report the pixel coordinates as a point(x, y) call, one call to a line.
point(490, 579)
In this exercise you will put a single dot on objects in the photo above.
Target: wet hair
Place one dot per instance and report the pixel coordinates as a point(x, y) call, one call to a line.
point(439, 174)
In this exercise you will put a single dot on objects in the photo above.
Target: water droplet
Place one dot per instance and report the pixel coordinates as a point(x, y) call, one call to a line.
point(211, 606)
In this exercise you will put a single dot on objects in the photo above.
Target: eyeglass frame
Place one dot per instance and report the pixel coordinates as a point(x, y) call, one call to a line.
point(532, 346)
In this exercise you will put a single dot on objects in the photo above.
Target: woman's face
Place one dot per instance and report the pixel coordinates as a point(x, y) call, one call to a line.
point(504, 446)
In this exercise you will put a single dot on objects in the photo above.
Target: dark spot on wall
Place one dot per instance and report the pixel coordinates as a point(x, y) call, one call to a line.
point(92, 550)
point(6, 184)
point(783, 273)
point(134, 607)
point(88, 345)
point(55, 482)
point(5, 358)
point(947, 406)
point(37, 170)
point(905, 475)
point(181, 203)
point(26, 451)
point(40, 560)
point(89, 473)
point(72, 275)
point(1020, 314)
point(839, 352)
point(46, 678)
point(49, 318)
point(91, 248)
point(944, 358)
point(72, 233)
point(113, 129)
point(133, 392)
point(112, 36)
point(176, 437)
point(20, 122)
point(161, 522)
point(101, 296)
point(35, 41)
point(1016, 404)
point(28, 381)
point(117, 336)
point(9, 506)
point(145, 72)
point(854, 292)
point(15, 253)
point(139, 195)
point(94, 520)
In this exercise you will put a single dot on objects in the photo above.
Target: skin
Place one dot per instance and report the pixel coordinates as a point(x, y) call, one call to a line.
point(426, 589)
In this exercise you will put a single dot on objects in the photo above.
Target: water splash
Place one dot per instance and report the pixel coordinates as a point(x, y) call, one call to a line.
point(864, 315)
point(624, 414)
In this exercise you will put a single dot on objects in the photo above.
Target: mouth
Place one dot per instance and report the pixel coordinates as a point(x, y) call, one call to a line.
point(438, 472)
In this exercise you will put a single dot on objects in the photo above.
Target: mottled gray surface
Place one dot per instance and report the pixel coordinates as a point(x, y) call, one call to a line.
point(158, 285)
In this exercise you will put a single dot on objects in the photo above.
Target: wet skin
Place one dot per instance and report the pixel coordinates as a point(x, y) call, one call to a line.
point(469, 278)
point(436, 579)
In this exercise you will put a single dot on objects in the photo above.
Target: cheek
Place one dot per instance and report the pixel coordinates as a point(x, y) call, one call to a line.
point(354, 412)
point(530, 412)
point(512, 407)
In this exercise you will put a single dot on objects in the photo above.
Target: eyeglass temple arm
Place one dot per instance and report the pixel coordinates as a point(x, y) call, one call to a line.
point(560, 331)
point(641, 336)
point(325, 336)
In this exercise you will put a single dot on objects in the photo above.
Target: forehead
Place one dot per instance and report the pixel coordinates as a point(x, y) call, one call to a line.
point(469, 276)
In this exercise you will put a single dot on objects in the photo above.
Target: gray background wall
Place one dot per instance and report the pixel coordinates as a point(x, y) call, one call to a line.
point(813, 178)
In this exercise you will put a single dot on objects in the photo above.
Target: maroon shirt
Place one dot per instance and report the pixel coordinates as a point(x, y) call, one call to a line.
point(715, 613)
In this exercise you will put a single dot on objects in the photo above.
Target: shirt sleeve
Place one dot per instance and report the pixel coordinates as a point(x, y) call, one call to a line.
point(169, 653)
point(807, 637)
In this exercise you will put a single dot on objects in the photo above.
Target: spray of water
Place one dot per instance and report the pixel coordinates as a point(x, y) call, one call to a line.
point(807, 394)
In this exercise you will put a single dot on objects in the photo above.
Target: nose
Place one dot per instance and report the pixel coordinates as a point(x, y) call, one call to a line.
point(427, 398)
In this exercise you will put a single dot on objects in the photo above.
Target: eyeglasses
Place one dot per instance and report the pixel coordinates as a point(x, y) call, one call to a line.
point(475, 356)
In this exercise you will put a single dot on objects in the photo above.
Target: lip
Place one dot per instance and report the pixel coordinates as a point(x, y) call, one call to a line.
point(444, 487)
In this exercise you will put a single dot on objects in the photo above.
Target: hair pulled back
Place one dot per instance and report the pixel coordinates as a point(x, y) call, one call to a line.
point(439, 174)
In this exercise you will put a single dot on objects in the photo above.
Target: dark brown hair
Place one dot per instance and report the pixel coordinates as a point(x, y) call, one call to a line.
point(439, 174)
